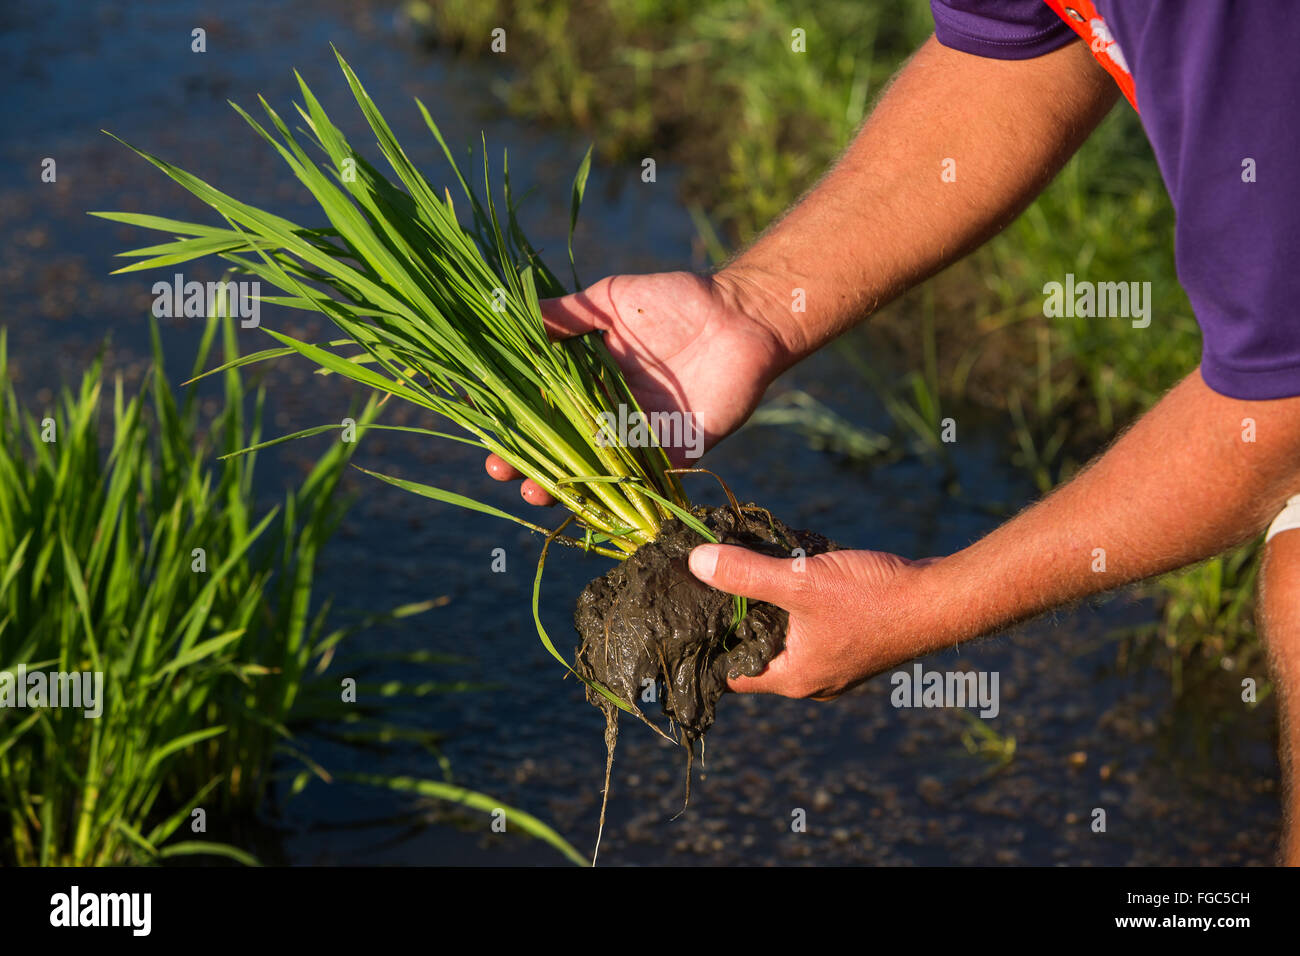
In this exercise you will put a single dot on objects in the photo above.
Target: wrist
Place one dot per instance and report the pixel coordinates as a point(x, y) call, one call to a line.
point(932, 619)
point(764, 300)
point(952, 603)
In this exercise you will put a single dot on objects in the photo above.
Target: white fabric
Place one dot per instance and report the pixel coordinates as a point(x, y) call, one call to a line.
point(1288, 520)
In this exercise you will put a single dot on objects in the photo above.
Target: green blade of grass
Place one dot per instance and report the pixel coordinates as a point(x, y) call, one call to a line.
point(474, 800)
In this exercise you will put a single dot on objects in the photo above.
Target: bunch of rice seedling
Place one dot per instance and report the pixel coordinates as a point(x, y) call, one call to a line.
point(145, 564)
point(439, 306)
point(145, 580)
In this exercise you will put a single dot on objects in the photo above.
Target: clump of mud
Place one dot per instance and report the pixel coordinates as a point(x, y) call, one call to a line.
point(650, 623)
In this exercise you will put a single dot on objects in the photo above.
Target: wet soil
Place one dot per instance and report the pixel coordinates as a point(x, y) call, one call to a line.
point(652, 631)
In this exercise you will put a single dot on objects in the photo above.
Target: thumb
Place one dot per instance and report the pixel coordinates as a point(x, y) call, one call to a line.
point(578, 312)
point(747, 573)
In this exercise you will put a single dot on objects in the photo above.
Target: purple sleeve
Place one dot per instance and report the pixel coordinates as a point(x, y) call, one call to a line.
point(1218, 84)
point(1000, 29)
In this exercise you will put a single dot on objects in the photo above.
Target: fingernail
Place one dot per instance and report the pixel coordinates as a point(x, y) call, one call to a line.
point(704, 561)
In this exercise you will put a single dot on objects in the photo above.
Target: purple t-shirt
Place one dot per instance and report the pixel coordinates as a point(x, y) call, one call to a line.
point(1218, 84)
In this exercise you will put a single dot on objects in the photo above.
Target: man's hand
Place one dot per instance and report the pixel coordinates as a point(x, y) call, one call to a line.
point(881, 220)
point(686, 343)
point(1156, 501)
point(853, 614)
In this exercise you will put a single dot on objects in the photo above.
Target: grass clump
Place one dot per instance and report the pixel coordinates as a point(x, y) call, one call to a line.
point(438, 313)
point(141, 562)
point(445, 313)
point(144, 566)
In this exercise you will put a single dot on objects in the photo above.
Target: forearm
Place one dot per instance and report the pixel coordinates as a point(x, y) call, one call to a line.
point(884, 218)
point(1182, 485)
point(1189, 480)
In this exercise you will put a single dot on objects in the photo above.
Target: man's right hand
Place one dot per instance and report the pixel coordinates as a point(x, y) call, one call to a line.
point(686, 343)
point(881, 220)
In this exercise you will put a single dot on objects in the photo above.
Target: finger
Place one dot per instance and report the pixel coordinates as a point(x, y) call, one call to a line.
point(770, 681)
point(535, 494)
point(580, 312)
point(501, 470)
point(775, 679)
point(531, 491)
point(679, 457)
point(741, 571)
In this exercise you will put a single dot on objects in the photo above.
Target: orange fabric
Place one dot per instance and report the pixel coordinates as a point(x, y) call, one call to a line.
point(1083, 18)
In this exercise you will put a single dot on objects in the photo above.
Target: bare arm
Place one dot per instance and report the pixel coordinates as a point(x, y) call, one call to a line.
point(883, 219)
point(1180, 486)
point(1183, 484)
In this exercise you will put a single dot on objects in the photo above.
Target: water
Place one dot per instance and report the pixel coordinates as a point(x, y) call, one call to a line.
point(1186, 782)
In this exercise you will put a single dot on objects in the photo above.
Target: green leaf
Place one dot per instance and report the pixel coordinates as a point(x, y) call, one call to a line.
point(575, 203)
point(203, 848)
point(525, 821)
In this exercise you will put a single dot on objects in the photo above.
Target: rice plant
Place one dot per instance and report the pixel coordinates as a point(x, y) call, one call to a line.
point(438, 306)
point(143, 563)
point(107, 571)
